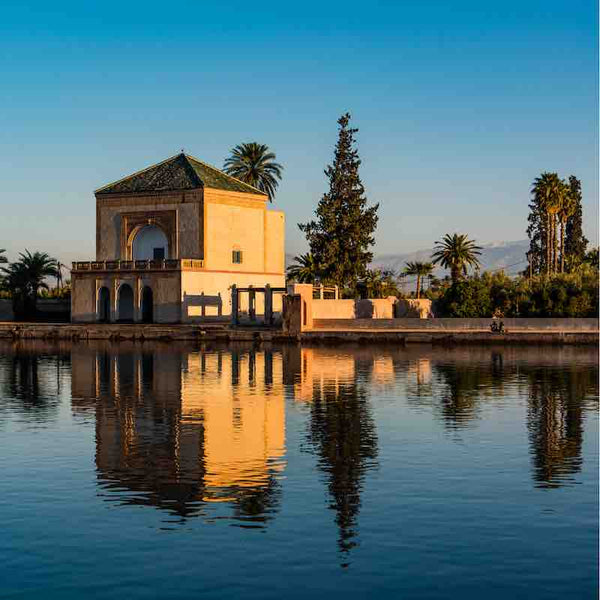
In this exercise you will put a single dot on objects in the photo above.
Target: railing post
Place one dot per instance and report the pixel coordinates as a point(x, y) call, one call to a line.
point(234, 305)
point(268, 305)
point(252, 304)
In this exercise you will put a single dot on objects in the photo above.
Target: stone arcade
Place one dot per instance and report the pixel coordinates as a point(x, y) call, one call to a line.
point(171, 241)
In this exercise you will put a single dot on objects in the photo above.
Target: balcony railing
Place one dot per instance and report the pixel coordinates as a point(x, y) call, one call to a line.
point(167, 264)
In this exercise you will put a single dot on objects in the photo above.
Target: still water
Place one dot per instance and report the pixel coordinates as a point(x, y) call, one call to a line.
point(165, 471)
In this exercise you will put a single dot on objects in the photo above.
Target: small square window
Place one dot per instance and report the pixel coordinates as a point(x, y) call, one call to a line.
point(236, 257)
point(158, 253)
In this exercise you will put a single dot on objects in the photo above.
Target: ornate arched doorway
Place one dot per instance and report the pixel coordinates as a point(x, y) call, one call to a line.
point(147, 305)
point(125, 303)
point(103, 305)
point(150, 243)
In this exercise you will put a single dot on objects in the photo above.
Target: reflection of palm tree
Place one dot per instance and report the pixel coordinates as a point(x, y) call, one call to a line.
point(342, 434)
point(459, 399)
point(555, 421)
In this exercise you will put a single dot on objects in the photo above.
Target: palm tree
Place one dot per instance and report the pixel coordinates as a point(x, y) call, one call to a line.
point(305, 269)
point(379, 283)
point(568, 205)
point(550, 191)
point(420, 269)
point(255, 165)
point(456, 252)
point(3, 259)
point(26, 277)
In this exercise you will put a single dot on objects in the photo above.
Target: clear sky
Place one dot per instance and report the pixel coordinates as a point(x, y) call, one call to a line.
point(460, 106)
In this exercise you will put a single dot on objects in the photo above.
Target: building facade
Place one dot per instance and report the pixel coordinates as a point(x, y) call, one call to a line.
point(171, 240)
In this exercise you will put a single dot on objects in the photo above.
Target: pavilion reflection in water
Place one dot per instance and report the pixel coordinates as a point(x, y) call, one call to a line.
point(179, 430)
point(183, 430)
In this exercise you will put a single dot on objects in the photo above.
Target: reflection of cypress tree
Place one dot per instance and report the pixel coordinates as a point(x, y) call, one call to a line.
point(555, 421)
point(342, 433)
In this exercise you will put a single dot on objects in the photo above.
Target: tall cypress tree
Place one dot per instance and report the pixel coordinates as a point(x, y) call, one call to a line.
point(342, 233)
point(575, 242)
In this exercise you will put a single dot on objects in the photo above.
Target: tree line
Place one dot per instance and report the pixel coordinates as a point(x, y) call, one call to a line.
point(561, 278)
point(25, 279)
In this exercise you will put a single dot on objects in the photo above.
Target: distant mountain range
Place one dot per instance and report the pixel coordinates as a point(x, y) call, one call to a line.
point(510, 256)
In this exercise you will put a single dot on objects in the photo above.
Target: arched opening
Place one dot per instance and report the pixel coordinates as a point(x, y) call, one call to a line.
point(125, 303)
point(103, 307)
point(147, 305)
point(150, 243)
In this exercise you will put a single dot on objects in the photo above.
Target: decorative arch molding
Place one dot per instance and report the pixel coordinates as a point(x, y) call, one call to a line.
point(133, 223)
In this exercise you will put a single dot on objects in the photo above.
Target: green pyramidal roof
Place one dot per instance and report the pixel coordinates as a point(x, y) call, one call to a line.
point(180, 172)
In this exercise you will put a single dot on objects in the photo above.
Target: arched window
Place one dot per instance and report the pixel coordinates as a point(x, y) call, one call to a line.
point(150, 243)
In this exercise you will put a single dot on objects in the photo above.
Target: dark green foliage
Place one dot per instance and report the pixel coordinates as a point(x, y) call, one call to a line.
point(465, 298)
point(591, 258)
point(24, 278)
point(342, 234)
point(255, 165)
point(557, 243)
point(304, 269)
point(561, 295)
point(378, 284)
point(575, 242)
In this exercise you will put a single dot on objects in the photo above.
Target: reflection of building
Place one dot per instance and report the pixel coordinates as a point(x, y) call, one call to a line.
point(170, 242)
point(178, 430)
point(242, 411)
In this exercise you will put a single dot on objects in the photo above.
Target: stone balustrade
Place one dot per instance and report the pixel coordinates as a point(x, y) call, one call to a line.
point(167, 264)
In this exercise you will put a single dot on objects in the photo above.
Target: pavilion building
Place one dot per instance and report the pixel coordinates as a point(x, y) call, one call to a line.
point(172, 240)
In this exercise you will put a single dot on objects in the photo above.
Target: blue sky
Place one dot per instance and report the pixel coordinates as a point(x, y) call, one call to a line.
point(460, 106)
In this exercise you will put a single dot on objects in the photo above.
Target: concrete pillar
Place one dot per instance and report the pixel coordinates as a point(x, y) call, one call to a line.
point(268, 305)
point(234, 304)
point(305, 291)
point(252, 304)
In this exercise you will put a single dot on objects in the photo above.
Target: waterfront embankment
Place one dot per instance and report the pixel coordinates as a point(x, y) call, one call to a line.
point(395, 331)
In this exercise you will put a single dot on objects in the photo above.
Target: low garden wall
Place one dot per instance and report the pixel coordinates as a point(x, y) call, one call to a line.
point(354, 309)
point(526, 324)
point(49, 309)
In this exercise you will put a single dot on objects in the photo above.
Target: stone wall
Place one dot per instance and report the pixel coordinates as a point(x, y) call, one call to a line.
point(354, 309)
point(408, 324)
point(49, 309)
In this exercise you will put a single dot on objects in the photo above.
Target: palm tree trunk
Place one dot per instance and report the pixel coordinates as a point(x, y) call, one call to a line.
point(562, 245)
point(548, 243)
point(455, 273)
point(555, 248)
point(418, 286)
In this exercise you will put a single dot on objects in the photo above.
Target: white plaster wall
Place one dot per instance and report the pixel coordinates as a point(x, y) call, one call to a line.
point(231, 227)
point(381, 308)
point(146, 240)
point(213, 289)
